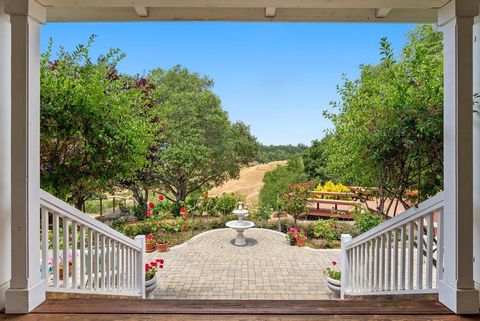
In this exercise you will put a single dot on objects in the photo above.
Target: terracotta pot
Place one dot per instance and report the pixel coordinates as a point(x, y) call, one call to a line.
point(300, 242)
point(149, 247)
point(60, 270)
point(162, 247)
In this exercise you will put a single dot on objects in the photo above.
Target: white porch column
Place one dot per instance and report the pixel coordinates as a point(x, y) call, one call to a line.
point(4, 153)
point(27, 289)
point(456, 289)
point(476, 153)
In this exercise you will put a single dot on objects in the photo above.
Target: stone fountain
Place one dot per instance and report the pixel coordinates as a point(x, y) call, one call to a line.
point(240, 225)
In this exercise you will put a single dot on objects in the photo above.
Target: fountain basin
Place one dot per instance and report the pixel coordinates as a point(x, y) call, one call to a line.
point(240, 226)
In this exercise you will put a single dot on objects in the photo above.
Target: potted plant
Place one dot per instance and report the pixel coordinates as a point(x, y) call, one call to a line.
point(151, 269)
point(333, 279)
point(291, 235)
point(60, 265)
point(162, 242)
point(149, 243)
point(300, 238)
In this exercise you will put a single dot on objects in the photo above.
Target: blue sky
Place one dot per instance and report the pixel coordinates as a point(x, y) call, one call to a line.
point(276, 77)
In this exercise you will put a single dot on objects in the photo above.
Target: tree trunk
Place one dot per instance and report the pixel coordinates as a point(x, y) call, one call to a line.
point(140, 197)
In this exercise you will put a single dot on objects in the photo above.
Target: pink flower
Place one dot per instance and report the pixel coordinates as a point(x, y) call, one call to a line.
point(148, 213)
point(184, 215)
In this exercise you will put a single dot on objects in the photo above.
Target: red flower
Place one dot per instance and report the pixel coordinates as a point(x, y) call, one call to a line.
point(149, 236)
point(205, 195)
point(160, 261)
point(160, 197)
point(334, 262)
point(183, 210)
point(185, 215)
point(151, 204)
point(149, 212)
point(161, 266)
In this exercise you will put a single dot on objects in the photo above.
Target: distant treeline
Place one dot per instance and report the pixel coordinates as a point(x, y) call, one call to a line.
point(272, 153)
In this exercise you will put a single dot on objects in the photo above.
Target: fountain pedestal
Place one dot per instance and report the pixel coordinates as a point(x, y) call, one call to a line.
point(240, 225)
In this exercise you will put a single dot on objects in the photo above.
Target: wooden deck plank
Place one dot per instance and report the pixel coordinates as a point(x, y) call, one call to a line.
point(235, 307)
point(186, 317)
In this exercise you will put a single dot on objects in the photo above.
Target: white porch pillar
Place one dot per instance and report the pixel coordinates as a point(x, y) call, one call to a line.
point(476, 153)
point(456, 289)
point(27, 289)
point(4, 153)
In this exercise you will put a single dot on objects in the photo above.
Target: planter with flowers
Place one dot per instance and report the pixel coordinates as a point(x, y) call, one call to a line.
point(151, 269)
point(301, 238)
point(334, 278)
point(150, 243)
point(291, 236)
point(60, 265)
point(162, 242)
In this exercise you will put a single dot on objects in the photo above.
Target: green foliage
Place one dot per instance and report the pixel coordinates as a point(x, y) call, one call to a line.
point(331, 230)
point(315, 159)
point(389, 125)
point(295, 199)
point(365, 220)
point(270, 153)
point(226, 203)
point(276, 182)
point(92, 132)
point(197, 146)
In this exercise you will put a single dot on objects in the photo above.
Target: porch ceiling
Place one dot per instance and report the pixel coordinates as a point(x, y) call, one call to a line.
point(414, 11)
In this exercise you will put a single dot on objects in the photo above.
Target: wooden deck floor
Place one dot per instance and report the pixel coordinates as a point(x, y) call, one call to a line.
point(132, 310)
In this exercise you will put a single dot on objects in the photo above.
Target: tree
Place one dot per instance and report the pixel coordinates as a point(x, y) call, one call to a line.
point(196, 146)
point(92, 134)
point(315, 160)
point(388, 130)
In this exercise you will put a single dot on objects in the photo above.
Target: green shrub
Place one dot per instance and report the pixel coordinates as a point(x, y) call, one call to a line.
point(276, 182)
point(226, 203)
point(331, 230)
point(365, 220)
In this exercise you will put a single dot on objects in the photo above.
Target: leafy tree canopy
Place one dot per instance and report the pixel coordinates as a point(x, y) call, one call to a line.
point(92, 135)
point(388, 128)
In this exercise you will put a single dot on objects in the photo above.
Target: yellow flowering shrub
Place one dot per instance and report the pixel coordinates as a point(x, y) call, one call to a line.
point(330, 186)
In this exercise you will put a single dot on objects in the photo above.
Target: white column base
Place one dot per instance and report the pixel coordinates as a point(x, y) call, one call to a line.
point(460, 301)
point(20, 301)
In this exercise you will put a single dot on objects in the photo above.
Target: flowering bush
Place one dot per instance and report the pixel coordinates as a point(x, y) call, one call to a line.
point(332, 272)
point(151, 268)
point(332, 187)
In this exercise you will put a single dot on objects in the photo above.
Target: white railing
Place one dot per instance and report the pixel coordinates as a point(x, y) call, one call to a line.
point(403, 255)
point(100, 259)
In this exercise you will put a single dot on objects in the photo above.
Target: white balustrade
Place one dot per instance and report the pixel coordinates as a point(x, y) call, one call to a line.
point(82, 255)
point(403, 255)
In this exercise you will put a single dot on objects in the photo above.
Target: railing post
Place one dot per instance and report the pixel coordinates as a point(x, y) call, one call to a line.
point(140, 239)
point(345, 265)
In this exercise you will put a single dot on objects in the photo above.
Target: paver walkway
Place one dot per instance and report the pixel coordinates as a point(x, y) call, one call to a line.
point(209, 266)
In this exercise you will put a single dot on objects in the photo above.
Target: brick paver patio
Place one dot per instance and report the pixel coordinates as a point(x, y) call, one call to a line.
point(208, 266)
